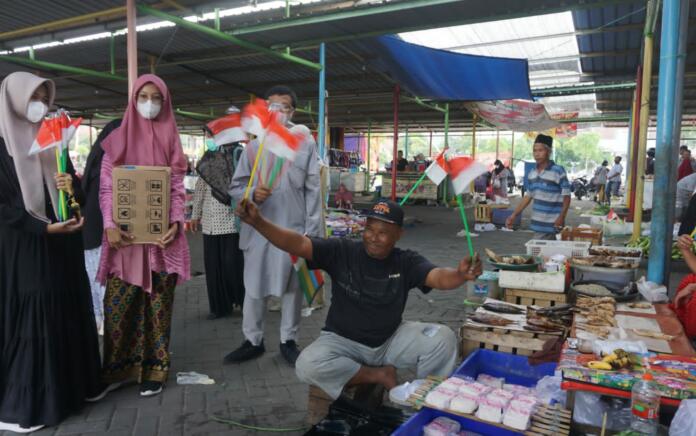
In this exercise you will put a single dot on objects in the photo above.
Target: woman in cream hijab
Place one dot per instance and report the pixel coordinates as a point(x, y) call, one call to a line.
point(49, 355)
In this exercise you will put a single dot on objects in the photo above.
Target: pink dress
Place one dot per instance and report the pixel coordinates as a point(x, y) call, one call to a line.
point(136, 263)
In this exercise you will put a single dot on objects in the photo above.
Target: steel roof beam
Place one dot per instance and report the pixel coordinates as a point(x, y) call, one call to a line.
point(299, 21)
point(582, 89)
point(60, 67)
point(209, 31)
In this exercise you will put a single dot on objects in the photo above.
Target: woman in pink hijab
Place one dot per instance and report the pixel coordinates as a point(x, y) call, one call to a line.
point(140, 279)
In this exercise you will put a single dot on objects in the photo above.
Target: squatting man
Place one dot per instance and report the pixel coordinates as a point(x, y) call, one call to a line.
point(365, 339)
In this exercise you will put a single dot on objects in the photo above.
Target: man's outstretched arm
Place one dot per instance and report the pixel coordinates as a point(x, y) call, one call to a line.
point(285, 239)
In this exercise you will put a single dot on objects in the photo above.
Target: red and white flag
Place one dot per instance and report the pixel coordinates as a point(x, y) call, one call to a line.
point(281, 141)
point(437, 171)
point(256, 117)
point(55, 132)
point(228, 129)
point(613, 216)
point(463, 170)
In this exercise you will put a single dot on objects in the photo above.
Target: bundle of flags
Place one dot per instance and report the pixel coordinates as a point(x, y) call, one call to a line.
point(228, 129)
point(56, 131)
point(461, 169)
point(311, 281)
point(258, 120)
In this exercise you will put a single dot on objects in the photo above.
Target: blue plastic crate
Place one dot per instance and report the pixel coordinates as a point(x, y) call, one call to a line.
point(414, 426)
point(515, 369)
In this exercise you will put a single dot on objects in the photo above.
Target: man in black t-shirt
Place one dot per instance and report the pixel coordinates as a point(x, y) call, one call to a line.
point(401, 162)
point(365, 339)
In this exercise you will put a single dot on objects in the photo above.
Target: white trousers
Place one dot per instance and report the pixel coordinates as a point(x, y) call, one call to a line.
point(254, 312)
point(92, 265)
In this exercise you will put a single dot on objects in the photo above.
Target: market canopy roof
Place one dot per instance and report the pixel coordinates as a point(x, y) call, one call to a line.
point(447, 76)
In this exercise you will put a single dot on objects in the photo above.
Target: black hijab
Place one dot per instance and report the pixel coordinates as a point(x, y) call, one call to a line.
point(94, 225)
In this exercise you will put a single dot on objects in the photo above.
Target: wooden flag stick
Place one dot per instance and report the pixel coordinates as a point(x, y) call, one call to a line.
point(253, 172)
point(413, 188)
point(466, 225)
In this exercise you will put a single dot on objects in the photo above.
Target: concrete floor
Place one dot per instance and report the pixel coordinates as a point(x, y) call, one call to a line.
point(265, 392)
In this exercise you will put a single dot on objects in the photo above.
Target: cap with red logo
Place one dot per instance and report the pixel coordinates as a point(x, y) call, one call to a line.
point(387, 211)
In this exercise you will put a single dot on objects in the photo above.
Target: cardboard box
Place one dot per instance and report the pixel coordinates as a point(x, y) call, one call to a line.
point(141, 201)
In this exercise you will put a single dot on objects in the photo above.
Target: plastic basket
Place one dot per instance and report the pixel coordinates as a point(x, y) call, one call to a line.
point(540, 247)
point(515, 369)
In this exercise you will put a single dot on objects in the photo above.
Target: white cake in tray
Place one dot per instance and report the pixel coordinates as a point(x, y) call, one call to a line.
point(441, 426)
point(474, 389)
point(519, 412)
point(452, 383)
point(464, 403)
point(440, 398)
point(518, 389)
point(489, 380)
point(490, 411)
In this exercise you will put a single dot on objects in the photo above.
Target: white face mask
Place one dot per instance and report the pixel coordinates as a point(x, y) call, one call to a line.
point(283, 117)
point(36, 111)
point(149, 110)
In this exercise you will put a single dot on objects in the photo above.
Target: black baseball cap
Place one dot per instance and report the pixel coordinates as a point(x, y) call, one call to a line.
point(387, 211)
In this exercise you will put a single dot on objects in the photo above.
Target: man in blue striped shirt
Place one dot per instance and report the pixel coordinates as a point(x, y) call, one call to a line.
point(549, 189)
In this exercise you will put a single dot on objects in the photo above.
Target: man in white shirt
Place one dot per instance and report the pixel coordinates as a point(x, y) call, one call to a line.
point(614, 179)
point(685, 189)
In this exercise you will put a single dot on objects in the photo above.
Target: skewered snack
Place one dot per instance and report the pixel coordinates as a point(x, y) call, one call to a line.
point(652, 334)
point(487, 318)
point(503, 308)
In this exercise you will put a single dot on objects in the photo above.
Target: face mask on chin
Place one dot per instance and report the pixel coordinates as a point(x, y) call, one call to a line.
point(36, 111)
point(211, 145)
point(148, 109)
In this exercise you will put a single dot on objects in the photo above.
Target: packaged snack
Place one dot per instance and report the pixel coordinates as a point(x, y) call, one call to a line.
point(442, 426)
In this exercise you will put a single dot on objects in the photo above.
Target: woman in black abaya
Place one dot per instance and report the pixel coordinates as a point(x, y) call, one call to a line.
point(49, 355)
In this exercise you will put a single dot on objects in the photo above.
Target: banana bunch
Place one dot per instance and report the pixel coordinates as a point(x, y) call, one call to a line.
point(619, 359)
point(643, 243)
point(676, 253)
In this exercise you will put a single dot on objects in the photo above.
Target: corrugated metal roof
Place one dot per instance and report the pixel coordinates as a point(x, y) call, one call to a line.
point(217, 73)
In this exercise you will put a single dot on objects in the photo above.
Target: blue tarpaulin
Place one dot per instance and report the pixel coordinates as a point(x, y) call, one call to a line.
point(446, 76)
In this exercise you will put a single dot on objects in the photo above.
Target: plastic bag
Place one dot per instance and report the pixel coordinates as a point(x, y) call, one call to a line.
point(684, 422)
point(549, 391)
point(600, 348)
point(653, 292)
point(193, 378)
point(589, 409)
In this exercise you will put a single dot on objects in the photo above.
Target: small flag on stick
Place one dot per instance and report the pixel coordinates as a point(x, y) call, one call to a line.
point(228, 129)
point(311, 281)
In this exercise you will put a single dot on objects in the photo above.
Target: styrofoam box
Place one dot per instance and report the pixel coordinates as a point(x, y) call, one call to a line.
point(540, 247)
point(533, 281)
point(355, 182)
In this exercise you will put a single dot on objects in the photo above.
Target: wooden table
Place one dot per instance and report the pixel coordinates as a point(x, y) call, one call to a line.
point(680, 345)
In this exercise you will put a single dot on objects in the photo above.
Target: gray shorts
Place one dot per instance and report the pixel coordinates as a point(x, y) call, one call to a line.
point(332, 360)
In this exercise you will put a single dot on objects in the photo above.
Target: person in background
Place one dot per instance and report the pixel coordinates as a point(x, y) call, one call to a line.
point(343, 198)
point(141, 278)
point(650, 162)
point(401, 162)
point(499, 180)
point(295, 203)
point(683, 304)
point(93, 231)
point(686, 163)
point(365, 339)
point(222, 258)
point(49, 348)
point(685, 189)
point(549, 189)
point(614, 179)
point(600, 181)
point(419, 163)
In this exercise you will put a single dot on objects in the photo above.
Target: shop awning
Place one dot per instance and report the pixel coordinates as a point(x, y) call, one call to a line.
point(447, 76)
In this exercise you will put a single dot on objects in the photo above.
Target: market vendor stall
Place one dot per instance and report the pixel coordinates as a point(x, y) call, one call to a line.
point(674, 369)
point(426, 190)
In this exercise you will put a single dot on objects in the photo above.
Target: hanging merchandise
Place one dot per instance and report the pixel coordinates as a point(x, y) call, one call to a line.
point(344, 159)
